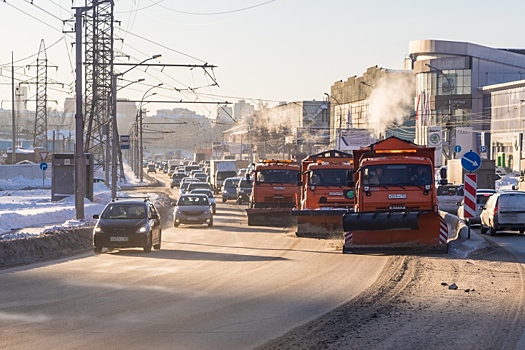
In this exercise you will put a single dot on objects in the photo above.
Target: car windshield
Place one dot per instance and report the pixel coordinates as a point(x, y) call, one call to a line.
point(193, 200)
point(124, 211)
point(450, 191)
point(206, 192)
point(198, 185)
point(230, 182)
point(244, 184)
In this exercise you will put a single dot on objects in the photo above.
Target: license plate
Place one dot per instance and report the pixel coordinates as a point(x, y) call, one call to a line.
point(192, 218)
point(508, 215)
point(119, 239)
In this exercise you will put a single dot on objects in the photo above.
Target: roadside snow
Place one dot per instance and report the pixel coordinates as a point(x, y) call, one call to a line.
point(24, 213)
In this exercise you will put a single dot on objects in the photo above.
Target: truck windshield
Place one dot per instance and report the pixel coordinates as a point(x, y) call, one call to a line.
point(285, 176)
point(328, 177)
point(222, 175)
point(397, 175)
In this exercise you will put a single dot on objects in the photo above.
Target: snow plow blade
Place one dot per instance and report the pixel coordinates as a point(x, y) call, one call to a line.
point(366, 232)
point(275, 217)
point(318, 223)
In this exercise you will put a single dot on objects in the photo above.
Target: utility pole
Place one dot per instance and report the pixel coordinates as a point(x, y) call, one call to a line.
point(80, 160)
point(13, 118)
point(41, 127)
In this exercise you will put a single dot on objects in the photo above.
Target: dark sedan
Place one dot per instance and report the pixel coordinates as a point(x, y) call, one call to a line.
point(128, 224)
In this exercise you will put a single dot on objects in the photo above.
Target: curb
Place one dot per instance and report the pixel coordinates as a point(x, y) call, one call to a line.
point(459, 243)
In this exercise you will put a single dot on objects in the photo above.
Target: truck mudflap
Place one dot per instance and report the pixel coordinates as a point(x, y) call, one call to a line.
point(320, 223)
point(274, 217)
point(430, 234)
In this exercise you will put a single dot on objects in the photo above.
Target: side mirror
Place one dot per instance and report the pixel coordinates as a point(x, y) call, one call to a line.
point(96, 216)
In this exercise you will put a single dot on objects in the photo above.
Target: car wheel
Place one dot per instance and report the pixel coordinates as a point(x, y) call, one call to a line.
point(483, 229)
point(147, 247)
point(157, 246)
point(97, 250)
point(175, 224)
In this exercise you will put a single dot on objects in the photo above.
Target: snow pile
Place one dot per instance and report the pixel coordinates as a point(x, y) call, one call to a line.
point(23, 213)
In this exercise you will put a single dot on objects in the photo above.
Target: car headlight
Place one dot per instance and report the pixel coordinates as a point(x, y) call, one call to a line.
point(99, 229)
point(143, 229)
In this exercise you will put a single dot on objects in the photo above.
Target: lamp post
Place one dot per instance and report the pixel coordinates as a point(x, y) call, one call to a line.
point(450, 127)
point(141, 149)
point(114, 77)
point(338, 143)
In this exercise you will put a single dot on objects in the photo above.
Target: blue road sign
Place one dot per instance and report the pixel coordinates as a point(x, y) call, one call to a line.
point(43, 166)
point(457, 148)
point(483, 149)
point(471, 161)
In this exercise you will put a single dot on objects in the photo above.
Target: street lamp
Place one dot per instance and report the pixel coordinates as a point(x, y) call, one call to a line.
point(141, 149)
point(114, 77)
point(140, 80)
point(451, 127)
point(338, 144)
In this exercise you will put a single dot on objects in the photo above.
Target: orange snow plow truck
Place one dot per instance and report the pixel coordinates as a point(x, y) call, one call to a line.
point(396, 205)
point(327, 193)
point(274, 193)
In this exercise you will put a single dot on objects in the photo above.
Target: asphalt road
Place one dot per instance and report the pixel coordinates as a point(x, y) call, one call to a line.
point(226, 287)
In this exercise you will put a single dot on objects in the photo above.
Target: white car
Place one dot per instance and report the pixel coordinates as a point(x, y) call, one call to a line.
point(449, 198)
point(482, 195)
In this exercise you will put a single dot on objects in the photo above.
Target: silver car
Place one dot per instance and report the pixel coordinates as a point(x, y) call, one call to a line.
point(211, 197)
point(482, 195)
point(193, 209)
point(504, 211)
point(449, 198)
point(229, 188)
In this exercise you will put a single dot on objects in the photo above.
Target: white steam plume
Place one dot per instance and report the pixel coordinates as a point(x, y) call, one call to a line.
point(390, 101)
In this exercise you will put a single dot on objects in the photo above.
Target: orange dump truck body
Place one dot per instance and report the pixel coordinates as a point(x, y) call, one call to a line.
point(274, 193)
point(396, 203)
point(325, 194)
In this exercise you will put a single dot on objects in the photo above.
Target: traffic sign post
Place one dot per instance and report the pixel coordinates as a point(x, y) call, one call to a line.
point(471, 161)
point(469, 200)
point(43, 166)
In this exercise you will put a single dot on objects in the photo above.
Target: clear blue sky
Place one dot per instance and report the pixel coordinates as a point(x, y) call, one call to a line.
point(282, 50)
